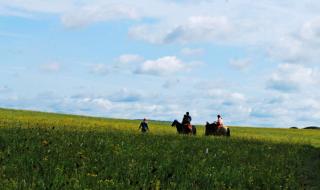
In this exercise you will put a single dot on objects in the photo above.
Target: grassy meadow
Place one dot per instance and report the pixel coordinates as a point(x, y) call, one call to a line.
point(55, 151)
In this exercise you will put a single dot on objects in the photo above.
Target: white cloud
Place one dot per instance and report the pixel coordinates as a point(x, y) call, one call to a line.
point(233, 106)
point(200, 28)
point(73, 13)
point(311, 30)
point(224, 22)
point(94, 105)
point(162, 66)
point(274, 110)
point(301, 45)
point(294, 40)
point(189, 21)
point(125, 95)
point(90, 13)
point(292, 77)
point(287, 110)
point(288, 49)
point(263, 28)
point(103, 103)
point(222, 96)
point(125, 63)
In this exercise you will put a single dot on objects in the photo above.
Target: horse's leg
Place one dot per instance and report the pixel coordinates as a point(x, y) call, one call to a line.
point(206, 131)
point(213, 130)
point(225, 131)
point(182, 129)
point(179, 129)
point(194, 130)
point(218, 131)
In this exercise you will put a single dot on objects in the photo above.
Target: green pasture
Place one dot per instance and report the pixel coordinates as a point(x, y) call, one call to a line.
point(54, 151)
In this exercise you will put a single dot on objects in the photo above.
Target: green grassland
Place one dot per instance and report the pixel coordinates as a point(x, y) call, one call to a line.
point(54, 151)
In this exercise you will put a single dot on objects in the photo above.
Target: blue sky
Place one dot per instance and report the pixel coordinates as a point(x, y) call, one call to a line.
point(255, 63)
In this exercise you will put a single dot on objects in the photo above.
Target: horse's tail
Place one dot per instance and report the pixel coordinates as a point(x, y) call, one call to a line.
point(194, 130)
point(228, 132)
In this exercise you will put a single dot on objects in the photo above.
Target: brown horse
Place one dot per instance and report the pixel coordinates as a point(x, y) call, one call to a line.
point(181, 129)
point(212, 129)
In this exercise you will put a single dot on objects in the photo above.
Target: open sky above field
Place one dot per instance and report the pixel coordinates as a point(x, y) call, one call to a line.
point(254, 62)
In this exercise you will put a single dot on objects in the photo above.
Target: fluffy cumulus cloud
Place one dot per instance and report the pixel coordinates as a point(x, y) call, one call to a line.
point(292, 78)
point(226, 22)
point(200, 28)
point(162, 66)
point(268, 26)
point(301, 45)
point(106, 106)
point(286, 110)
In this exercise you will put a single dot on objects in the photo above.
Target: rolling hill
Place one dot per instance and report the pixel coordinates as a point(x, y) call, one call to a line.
point(55, 151)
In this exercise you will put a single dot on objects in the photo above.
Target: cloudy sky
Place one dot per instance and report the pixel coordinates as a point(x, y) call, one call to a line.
point(255, 62)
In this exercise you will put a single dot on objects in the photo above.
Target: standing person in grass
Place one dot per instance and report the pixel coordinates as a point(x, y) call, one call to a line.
point(144, 126)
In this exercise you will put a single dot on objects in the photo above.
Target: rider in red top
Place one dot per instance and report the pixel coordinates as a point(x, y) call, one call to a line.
point(219, 121)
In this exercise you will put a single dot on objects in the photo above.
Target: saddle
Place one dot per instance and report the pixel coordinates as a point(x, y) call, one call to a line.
point(188, 126)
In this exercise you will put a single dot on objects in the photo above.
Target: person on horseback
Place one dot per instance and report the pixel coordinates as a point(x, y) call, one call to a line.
point(186, 121)
point(144, 126)
point(219, 123)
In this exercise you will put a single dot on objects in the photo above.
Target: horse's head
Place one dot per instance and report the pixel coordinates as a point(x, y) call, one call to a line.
point(211, 125)
point(174, 123)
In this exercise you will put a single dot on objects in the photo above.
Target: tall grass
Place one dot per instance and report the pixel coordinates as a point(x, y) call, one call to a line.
point(52, 151)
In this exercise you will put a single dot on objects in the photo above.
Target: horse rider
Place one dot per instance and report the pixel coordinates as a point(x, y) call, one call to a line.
point(186, 121)
point(220, 123)
point(144, 126)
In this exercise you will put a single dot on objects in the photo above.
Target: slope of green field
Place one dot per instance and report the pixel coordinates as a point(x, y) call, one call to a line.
point(53, 151)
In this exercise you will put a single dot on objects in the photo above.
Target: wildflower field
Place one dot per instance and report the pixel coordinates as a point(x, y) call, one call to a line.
point(54, 151)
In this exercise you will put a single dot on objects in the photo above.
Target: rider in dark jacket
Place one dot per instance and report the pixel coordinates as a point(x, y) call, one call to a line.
point(186, 121)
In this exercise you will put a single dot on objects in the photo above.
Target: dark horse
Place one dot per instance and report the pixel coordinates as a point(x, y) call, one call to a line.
point(212, 129)
point(181, 129)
